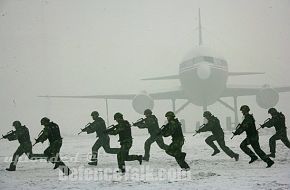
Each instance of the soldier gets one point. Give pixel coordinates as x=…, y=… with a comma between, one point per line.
x=213, y=125
x=123, y=128
x=252, y=139
x=278, y=121
x=151, y=123
x=52, y=133
x=173, y=129
x=99, y=127
x=21, y=133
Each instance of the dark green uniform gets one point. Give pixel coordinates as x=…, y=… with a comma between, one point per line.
x=123, y=128
x=173, y=129
x=214, y=126
x=278, y=121
x=22, y=135
x=52, y=133
x=99, y=127
x=252, y=139
x=151, y=123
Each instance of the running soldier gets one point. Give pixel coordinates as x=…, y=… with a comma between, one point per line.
x=52, y=133
x=123, y=129
x=151, y=123
x=213, y=125
x=173, y=129
x=99, y=127
x=252, y=139
x=278, y=121
x=21, y=134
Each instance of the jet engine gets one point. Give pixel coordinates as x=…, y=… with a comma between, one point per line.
x=267, y=98
x=141, y=102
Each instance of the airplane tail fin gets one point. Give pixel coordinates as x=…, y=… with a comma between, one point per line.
x=244, y=73
x=169, y=77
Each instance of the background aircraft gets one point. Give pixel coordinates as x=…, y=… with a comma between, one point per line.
x=203, y=77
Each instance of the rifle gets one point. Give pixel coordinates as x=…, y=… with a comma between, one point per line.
x=83, y=130
x=40, y=133
x=8, y=134
x=261, y=125
x=200, y=127
x=237, y=127
x=139, y=121
x=111, y=128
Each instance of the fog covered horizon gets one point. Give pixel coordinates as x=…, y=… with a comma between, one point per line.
x=51, y=47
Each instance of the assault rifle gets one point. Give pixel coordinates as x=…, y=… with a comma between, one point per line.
x=111, y=128
x=200, y=127
x=237, y=127
x=139, y=121
x=262, y=125
x=10, y=133
x=84, y=129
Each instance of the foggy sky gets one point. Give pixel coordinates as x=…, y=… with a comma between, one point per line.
x=75, y=47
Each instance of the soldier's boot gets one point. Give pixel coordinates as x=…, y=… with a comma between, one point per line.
x=236, y=157
x=146, y=157
x=272, y=155
x=121, y=171
x=181, y=161
x=93, y=162
x=66, y=171
x=140, y=158
x=185, y=168
x=253, y=159
x=270, y=163
x=12, y=167
x=57, y=164
x=215, y=152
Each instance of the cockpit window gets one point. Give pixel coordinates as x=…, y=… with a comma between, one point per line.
x=208, y=59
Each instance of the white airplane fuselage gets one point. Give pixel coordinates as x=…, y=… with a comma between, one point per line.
x=203, y=76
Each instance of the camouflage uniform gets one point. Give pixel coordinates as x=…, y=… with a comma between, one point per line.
x=278, y=121
x=123, y=128
x=99, y=127
x=214, y=126
x=252, y=139
x=151, y=123
x=173, y=128
x=22, y=135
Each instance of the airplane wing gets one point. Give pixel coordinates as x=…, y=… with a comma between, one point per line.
x=168, y=94
x=231, y=91
x=244, y=73
x=175, y=93
x=109, y=96
x=169, y=77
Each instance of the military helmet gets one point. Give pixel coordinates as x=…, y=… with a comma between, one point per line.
x=245, y=108
x=170, y=114
x=272, y=111
x=44, y=120
x=147, y=112
x=207, y=114
x=16, y=124
x=118, y=115
x=95, y=113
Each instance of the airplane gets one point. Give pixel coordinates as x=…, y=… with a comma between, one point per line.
x=203, y=77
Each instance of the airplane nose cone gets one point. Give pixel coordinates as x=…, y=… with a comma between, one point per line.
x=204, y=71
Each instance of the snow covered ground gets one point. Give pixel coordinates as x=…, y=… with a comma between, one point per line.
x=207, y=172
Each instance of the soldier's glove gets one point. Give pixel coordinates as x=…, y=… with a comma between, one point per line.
x=197, y=131
x=235, y=133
